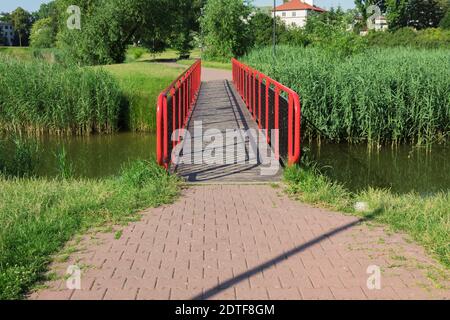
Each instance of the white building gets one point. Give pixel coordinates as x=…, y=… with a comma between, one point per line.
x=295, y=12
x=7, y=32
x=380, y=24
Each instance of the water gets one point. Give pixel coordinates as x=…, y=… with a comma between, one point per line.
x=97, y=155
x=401, y=169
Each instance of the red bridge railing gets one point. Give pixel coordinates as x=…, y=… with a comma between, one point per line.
x=273, y=106
x=174, y=109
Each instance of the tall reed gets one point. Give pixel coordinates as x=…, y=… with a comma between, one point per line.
x=382, y=95
x=37, y=97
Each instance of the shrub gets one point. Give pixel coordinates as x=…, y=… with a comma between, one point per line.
x=39, y=97
x=426, y=38
x=445, y=22
x=42, y=35
x=225, y=28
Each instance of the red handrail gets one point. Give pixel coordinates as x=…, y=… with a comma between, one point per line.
x=183, y=93
x=246, y=80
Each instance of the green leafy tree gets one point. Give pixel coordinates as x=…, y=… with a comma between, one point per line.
x=42, y=34
x=186, y=14
x=109, y=26
x=225, y=27
x=261, y=25
x=445, y=22
x=421, y=14
x=21, y=21
x=418, y=14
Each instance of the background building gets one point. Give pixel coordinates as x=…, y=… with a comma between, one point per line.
x=7, y=33
x=295, y=12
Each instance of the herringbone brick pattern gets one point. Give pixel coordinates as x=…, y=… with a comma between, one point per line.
x=246, y=242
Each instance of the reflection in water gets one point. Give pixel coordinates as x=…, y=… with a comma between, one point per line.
x=97, y=155
x=401, y=169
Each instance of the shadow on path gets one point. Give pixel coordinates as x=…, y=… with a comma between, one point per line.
x=249, y=273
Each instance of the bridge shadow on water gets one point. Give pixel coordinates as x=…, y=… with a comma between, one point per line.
x=280, y=258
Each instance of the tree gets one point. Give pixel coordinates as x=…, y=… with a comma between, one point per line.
x=186, y=14
x=421, y=14
x=21, y=21
x=261, y=25
x=418, y=14
x=225, y=25
x=445, y=22
x=109, y=26
x=42, y=34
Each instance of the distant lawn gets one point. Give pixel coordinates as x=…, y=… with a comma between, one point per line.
x=138, y=54
x=141, y=83
x=21, y=53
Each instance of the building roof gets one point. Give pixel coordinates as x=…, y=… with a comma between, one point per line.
x=297, y=5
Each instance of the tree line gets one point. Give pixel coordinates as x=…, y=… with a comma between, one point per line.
x=222, y=28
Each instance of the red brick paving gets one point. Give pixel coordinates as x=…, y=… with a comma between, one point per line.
x=217, y=242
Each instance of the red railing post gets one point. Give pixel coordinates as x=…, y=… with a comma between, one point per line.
x=184, y=91
x=246, y=79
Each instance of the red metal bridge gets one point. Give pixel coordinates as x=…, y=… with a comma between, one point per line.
x=239, y=128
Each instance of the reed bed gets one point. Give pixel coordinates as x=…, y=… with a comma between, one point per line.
x=396, y=95
x=38, y=97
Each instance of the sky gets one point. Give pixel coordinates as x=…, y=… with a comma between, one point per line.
x=33, y=5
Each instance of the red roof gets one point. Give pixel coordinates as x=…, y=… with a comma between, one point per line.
x=297, y=5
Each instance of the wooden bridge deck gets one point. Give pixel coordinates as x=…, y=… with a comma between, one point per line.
x=220, y=107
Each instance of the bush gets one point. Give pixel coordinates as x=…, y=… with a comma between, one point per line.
x=225, y=28
x=426, y=38
x=395, y=95
x=39, y=97
x=42, y=35
x=445, y=22
x=135, y=53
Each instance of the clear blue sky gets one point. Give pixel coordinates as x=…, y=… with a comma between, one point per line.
x=33, y=5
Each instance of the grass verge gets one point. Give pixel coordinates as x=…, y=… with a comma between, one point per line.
x=38, y=216
x=425, y=218
x=141, y=83
x=38, y=97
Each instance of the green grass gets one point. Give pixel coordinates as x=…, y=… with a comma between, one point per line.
x=38, y=97
x=141, y=83
x=38, y=216
x=381, y=95
x=21, y=53
x=137, y=54
x=425, y=218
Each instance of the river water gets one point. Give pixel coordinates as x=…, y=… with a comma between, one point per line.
x=401, y=169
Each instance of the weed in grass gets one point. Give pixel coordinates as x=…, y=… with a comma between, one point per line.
x=118, y=234
x=65, y=168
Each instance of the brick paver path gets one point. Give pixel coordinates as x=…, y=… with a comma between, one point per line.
x=246, y=242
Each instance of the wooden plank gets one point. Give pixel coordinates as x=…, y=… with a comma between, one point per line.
x=220, y=107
